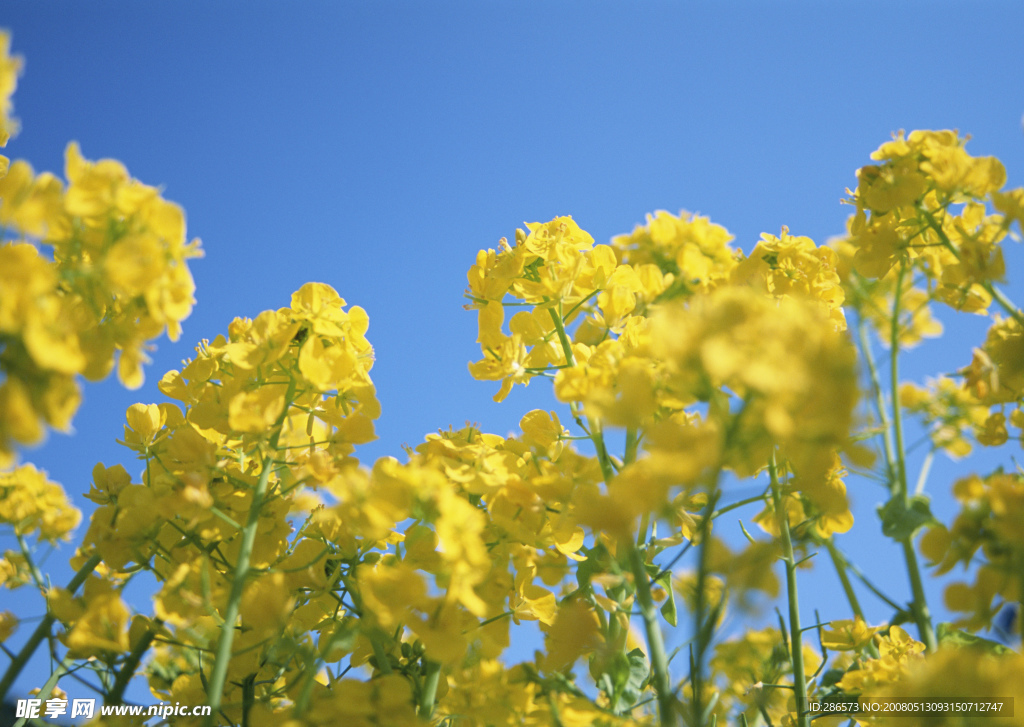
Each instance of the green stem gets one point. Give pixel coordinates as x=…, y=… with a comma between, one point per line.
x=37, y=576
x=227, y=635
x=852, y=567
x=595, y=427
x=795, y=632
x=248, y=698
x=894, y=383
x=47, y=689
x=632, y=442
x=129, y=666
x=629, y=456
x=563, y=337
x=383, y=662
x=925, y=469
x=737, y=505
x=43, y=629
x=919, y=605
x=876, y=388
x=431, y=677
x=1001, y=298
x=641, y=534
x=844, y=578
x=655, y=640
x=704, y=623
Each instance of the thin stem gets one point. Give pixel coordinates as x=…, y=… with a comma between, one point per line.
x=844, y=578
x=563, y=337
x=594, y=426
x=43, y=629
x=900, y=484
x=852, y=567
x=925, y=469
x=227, y=635
x=738, y=504
x=62, y=668
x=655, y=640
x=248, y=698
x=879, y=399
x=919, y=605
x=678, y=557
x=628, y=457
x=129, y=666
x=1001, y=298
x=37, y=576
x=641, y=534
x=704, y=623
x=383, y=662
x=795, y=632
x=632, y=442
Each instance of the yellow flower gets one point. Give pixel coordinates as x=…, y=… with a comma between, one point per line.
x=10, y=69
x=575, y=632
x=8, y=625
x=14, y=570
x=690, y=248
x=789, y=266
x=897, y=184
x=99, y=626
x=544, y=237
x=958, y=675
x=265, y=607
x=33, y=504
x=256, y=411
x=391, y=593
x=848, y=635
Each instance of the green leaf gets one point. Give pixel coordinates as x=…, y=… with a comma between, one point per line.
x=668, y=609
x=593, y=565
x=900, y=521
x=628, y=674
x=950, y=636
x=638, y=673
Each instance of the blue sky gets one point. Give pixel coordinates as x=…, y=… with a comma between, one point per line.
x=377, y=146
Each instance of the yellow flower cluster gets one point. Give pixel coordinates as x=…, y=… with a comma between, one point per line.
x=923, y=232
x=977, y=671
x=905, y=216
x=638, y=334
x=401, y=566
x=969, y=675
x=33, y=505
x=10, y=68
x=896, y=651
x=271, y=414
x=996, y=373
x=754, y=672
x=987, y=529
x=951, y=413
x=118, y=278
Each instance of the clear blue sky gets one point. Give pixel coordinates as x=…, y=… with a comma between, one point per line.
x=376, y=146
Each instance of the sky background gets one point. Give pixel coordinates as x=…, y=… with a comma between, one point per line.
x=377, y=146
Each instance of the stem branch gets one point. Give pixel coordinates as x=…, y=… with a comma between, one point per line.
x=795, y=632
x=43, y=629
x=215, y=691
